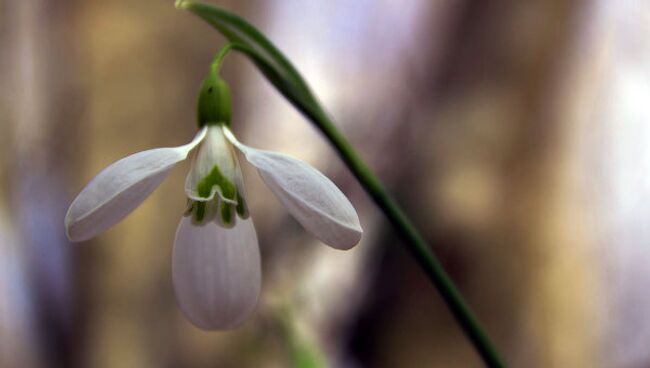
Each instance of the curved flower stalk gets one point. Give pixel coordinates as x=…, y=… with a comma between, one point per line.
x=216, y=269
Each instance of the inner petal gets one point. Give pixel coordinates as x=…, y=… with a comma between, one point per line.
x=214, y=184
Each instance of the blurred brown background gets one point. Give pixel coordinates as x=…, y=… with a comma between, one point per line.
x=515, y=133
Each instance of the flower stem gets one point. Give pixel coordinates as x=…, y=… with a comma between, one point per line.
x=218, y=59
x=413, y=240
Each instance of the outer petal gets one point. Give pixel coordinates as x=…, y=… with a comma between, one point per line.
x=216, y=273
x=310, y=196
x=120, y=188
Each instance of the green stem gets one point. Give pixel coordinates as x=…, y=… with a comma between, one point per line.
x=414, y=241
x=302, y=351
x=218, y=59
x=412, y=238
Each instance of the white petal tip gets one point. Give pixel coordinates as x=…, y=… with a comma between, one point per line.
x=71, y=231
x=74, y=237
x=217, y=325
x=344, y=239
x=68, y=235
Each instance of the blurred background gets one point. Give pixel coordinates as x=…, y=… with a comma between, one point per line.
x=515, y=134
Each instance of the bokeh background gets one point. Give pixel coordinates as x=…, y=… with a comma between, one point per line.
x=516, y=134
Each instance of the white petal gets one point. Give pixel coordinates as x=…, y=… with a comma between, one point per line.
x=120, y=188
x=216, y=273
x=310, y=196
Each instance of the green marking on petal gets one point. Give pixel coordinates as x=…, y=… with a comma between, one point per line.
x=202, y=212
x=204, y=188
x=199, y=212
x=227, y=213
x=242, y=209
x=205, y=211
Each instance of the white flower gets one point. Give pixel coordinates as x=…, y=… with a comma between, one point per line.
x=216, y=268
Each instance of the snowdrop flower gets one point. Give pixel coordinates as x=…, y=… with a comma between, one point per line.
x=216, y=269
